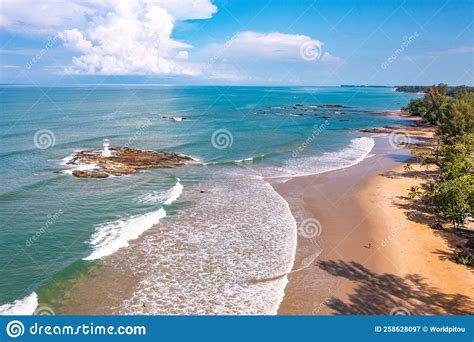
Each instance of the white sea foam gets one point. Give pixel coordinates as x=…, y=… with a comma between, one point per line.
x=24, y=306
x=161, y=197
x=357, y=151
x=80, y=167
x=175, y=192
x=208, y=260
x=174, y=118
x=249, y=159
x=236, y=161
x=72, y=167
x=227, y=253
x=111, y=236
x=243, y=160
x=67, y=159
x=153, y=197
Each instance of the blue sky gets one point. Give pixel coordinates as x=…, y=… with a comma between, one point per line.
x=237, y=42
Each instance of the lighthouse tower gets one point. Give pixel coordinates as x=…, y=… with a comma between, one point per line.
x=106, y=152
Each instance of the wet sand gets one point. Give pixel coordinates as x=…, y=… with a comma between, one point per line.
x=377, y=257
x=345, y=234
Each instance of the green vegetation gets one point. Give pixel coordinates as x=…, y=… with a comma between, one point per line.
x=414, y=192
x=450, y=91
x=452, y=189
x=408, y=167
x=464, y=258
x=432, y=106
x=416, y=107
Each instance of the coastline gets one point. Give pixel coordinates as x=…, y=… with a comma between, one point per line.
x=361, y=254
x=372, y=255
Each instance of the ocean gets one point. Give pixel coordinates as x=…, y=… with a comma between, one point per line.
x=211, y=237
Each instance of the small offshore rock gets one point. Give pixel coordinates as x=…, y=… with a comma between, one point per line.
x=124, y=161
x=90, y=174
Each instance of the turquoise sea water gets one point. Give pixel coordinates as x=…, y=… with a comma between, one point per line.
x=50, y=220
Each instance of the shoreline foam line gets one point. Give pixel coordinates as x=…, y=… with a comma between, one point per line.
x=292, y=261
x=306, y=264
x=113, y=235
x=235, y=162
x=20, y=307
x=353, y=146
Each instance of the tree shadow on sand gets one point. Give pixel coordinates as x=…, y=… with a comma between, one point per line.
x=416, y=210
x=379, y=294
x=420, y=211
x=420, y=174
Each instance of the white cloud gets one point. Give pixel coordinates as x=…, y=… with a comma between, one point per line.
x=328, y=58
x=113, y=37
x=185, y=10
x=50, y=16
x=258, y=56
x=10, y=66
x=270, y=46
x=182, y=55
x=74, y=39
x=441, y=53
x=122, y=37
x=135, y=38
x=454, y=51
x=41, y=17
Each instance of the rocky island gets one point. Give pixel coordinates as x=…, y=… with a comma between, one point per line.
x=123, y=161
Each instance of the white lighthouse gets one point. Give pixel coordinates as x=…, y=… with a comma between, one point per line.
x=106, y=152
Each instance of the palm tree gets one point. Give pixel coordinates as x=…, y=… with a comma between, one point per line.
x=414, y=192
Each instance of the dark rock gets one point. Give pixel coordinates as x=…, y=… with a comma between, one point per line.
x=375, y=130
x=175, y=118
x=90, y=174
x=124, y=161
x=332, y=106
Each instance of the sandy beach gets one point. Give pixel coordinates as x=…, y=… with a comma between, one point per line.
x=375, y=252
